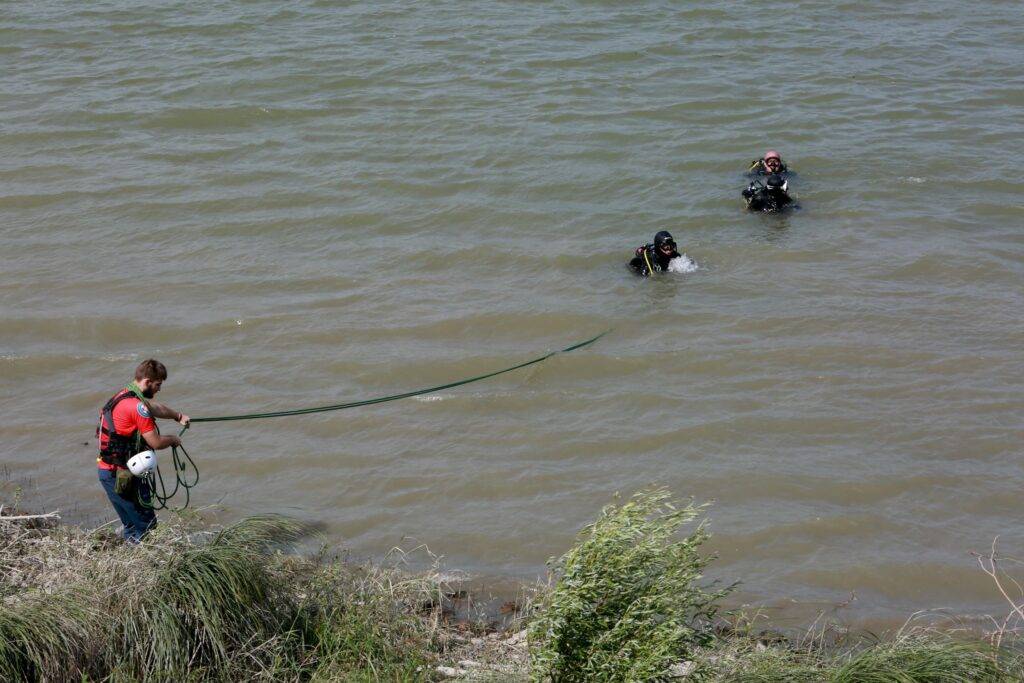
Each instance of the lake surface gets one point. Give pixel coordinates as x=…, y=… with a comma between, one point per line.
x=293, y=204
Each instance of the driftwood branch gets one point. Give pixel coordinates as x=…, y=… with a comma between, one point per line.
x=990, y=565
x=49, y=515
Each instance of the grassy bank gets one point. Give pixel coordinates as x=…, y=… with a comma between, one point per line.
x=626, y=603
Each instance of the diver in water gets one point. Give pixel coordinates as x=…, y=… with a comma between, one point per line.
x=771, y=197
x=770, y=163
x=655, y=257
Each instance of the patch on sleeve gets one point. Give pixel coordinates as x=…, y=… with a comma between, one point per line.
x=143, y=409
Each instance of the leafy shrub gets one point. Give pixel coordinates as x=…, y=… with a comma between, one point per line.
x=626, y=603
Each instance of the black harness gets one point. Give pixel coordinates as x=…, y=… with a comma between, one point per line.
x=654, y=257
x=119, y=447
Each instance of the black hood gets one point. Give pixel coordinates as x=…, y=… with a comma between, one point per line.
x=664, y=237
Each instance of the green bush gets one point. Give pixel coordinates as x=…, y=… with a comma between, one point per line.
x=626, y=603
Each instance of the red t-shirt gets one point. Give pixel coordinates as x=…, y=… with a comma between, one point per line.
x=129, y=415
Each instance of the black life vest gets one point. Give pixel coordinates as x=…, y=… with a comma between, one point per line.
x=119, y=447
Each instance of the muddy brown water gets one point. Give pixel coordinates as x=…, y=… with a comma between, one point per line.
x=315, y=202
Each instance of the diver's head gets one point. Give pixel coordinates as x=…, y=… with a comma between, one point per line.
x=775, y=183
x=772, y=161
x=664, y=245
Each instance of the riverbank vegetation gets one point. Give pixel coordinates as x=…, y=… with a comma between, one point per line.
x=628, y=602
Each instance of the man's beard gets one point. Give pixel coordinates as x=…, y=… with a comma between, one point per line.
x=148, y=393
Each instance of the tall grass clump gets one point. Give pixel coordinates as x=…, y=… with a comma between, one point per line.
x=626, y=603
x=180, y=605
x=921, y=658
x=195, y=605
x=45, y=637
x=368, y=624
x=205, y=603
x=921, y=655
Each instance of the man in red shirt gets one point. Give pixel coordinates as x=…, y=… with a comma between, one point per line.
x=127, y=427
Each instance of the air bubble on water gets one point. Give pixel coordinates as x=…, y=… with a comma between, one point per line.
x=238, y=321
x=682, y=264
x=429, y=399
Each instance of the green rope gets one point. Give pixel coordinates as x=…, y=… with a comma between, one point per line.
x=157, y=488
x=396, y=397
x=181, y=463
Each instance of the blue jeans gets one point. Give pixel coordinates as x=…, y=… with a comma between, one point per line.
x=137, y=519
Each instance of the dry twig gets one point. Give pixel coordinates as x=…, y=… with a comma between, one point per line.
x=990, y=565
x=49, y=515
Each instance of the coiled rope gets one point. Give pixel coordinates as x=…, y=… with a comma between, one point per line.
x=157, y=489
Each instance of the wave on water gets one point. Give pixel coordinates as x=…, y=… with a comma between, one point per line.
x=108, y=357
x=113, y=357
x=682, y=264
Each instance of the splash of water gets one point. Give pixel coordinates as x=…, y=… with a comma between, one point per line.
x=682, y=264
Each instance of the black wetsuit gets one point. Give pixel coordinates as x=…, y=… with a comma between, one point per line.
x=658, y=261
x=768, y=200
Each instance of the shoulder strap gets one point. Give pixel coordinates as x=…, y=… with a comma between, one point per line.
x=114, y=453
x=107, y=413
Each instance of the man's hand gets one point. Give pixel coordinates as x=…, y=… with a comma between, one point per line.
x=183, y=419
x=159, y=441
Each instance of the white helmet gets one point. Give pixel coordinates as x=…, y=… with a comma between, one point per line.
x=142, y=463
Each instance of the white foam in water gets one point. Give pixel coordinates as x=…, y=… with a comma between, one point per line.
x=913, y=179
x=682, y=264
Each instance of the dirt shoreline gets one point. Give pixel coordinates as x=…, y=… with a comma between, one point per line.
x=74, y=595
